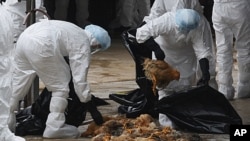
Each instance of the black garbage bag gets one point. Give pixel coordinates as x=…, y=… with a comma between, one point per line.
x=75, y=112
x=40, y=107
x=28, y=124
x=131, y=98
x=23, y=114
x=202, y=110
x=138, y=52
x=138, y=101
x=134, y=103
x=141, y=107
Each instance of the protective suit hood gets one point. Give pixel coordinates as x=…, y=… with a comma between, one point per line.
x=187, y=19
x=101, y=35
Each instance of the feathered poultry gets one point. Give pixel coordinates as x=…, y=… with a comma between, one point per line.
x=160, y=72
x=142, y=128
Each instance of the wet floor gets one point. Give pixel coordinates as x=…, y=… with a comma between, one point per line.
x=113, y=71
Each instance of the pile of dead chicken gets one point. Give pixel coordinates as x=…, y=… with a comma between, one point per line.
x=143, y=128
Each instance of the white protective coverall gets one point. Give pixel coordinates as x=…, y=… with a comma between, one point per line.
x=40, y=50
x=182, y=51
x=159, y=8
x=12, y=14
x=162, y=6
x=231, y=18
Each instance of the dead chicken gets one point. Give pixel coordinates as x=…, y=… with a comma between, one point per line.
x=143, y=128
x=160, y=72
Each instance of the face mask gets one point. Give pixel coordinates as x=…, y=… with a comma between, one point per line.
x=180, y=37
x=180, y=34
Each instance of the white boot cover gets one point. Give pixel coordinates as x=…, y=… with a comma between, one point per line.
x=55, y=124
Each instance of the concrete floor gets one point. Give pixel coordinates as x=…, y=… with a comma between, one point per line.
x=113, y=71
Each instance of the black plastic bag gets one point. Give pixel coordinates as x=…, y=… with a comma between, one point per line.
x=131, y=98
x=40, y=107
x=202, y=110
x=75, y=112
x=28, y=124
x=23, y=114
x=134, y=104
x=138, y=52
x=141, y=100
x=31, y=125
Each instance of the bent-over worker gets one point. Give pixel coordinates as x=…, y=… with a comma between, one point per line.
x=40, y=51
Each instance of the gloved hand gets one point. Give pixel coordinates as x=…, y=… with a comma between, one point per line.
x=128, y=37
x=204, y=65
x=152, y=45
x=95, y=114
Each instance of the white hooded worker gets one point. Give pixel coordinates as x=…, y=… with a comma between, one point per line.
x=231, y=19
x=160, y=7
x=181, y=36
x=12, y=15
x=40, y=51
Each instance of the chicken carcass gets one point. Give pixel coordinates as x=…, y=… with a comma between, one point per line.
x=160, y=72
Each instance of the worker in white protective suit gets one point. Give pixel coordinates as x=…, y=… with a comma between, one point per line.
x=160, y=7
x=181, y=36
x=231, y=19
x=12, y=14
x=40, y=51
